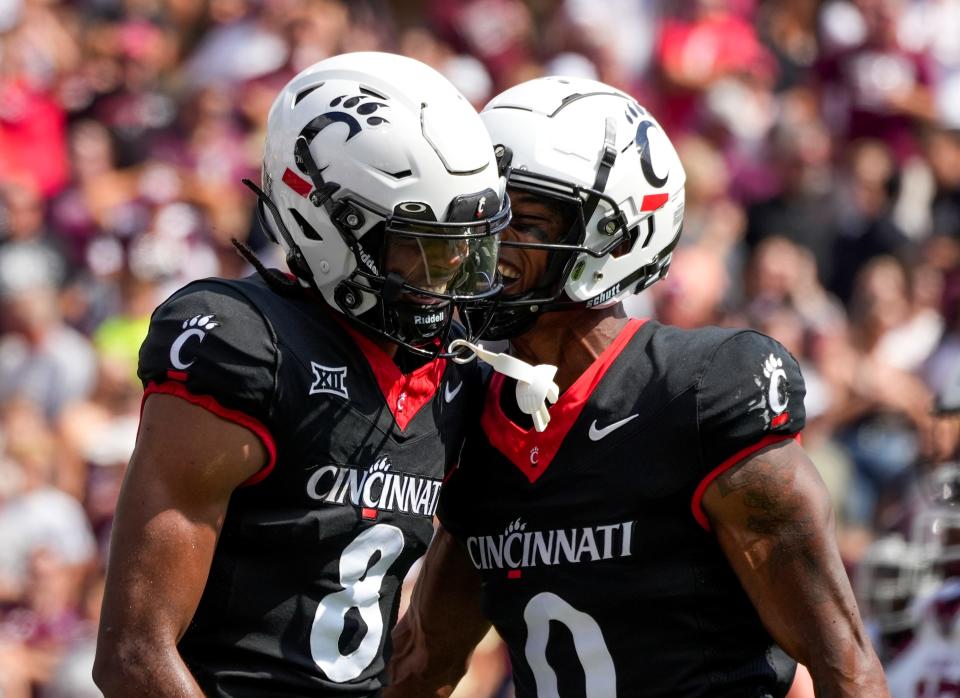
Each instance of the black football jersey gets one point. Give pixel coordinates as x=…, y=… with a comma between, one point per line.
x=304, y=585
x=599, y=568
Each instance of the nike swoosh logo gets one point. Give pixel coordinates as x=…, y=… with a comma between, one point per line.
x=597, y=434
x=450, y=394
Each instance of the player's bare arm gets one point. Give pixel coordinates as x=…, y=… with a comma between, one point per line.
x=773, y=518
x=443, y=624
x=186, y=465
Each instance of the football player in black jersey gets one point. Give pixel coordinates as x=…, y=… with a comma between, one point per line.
x=296, y=427
x=666, y=535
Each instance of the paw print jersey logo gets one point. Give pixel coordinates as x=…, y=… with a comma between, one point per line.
x=196, y=328
x=774, y=391
x=534, y=455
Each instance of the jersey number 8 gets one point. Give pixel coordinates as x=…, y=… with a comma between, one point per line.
x=361, y=584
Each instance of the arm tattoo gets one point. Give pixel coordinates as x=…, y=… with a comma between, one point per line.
x=786, y=532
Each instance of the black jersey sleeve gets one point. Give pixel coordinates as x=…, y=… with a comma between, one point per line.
x=750, y=394
x=210, y=345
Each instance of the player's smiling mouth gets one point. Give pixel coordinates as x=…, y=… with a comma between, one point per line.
x=510, y=273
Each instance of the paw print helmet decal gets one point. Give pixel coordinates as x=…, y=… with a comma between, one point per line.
x=381, y=183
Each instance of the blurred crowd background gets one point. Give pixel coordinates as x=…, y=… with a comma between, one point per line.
x=822, y=147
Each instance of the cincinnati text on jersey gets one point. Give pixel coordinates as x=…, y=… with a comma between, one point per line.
x=376, y=489
x=517, y=548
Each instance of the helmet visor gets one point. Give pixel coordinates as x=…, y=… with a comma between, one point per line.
x=445, y=260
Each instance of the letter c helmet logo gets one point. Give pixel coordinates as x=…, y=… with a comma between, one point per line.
x=197, y=326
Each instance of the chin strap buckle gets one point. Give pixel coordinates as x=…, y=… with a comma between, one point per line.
x=535, y=385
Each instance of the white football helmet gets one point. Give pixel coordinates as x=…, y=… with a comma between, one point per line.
x=591, y=147
x=381, y=183
x=891, y=575
x=936, y=527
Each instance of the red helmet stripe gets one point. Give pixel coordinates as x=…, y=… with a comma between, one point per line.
x=651, y=202
x=296, y=182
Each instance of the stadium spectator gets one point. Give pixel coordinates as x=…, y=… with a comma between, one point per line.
x=124, y=126
x=42, y=358
x=877, y=88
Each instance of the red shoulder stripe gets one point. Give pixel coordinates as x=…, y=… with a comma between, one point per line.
x=210, y=404
x=696, y=502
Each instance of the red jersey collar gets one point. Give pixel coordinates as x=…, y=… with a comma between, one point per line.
x=404, y=393
x=532, y=451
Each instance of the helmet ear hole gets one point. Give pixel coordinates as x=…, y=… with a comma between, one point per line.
x=308, y=230
x=651, y=229
x=504, y=156
x=629, y=240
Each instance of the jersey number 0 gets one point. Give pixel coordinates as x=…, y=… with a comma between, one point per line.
x=601, y=677
x=361, y=584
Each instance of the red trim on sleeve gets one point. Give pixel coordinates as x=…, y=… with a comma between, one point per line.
x=210, y=404
x=696, y=502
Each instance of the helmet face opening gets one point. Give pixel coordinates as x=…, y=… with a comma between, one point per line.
x=512, y=314
x=456, y=261
x=577, y=204
x=425, y=268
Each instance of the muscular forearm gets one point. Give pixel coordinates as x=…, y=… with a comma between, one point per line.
x=851, y=673
x=441, y=627
x=429, y=665
x=805, y=601
x=773, y=519
x=831, y=640
x=143, y=668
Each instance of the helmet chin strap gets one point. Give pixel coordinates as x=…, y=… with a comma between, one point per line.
x=535, y=385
